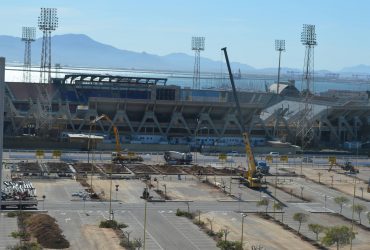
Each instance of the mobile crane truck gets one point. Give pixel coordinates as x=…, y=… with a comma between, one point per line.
x=252, y=177
x=117, y=156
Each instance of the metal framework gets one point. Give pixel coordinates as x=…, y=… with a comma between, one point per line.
x=28, y=36
x=280, y=47
x=47, y=22
x=305, y=129
x=197, y=45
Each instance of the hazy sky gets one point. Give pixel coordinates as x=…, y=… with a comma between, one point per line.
x=247, y=27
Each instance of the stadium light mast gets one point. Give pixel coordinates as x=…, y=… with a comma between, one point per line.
x=47, y=22
x=28, y=36
x=197, y=45
x=305, y=126
x=280, y=47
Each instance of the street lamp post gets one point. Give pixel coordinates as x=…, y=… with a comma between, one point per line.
x=43, y=202
x=240, y=199
x=241, y=238
x=165, y=190
x=144, y=245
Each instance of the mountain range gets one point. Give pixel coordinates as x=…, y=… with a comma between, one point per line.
x=81, y=51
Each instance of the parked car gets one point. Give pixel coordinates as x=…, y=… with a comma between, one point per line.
x=274, y=154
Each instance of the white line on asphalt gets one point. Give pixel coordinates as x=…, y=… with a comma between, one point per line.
x=191, y=242
x=138, y=222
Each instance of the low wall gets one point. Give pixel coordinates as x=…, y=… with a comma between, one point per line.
x=30, y=142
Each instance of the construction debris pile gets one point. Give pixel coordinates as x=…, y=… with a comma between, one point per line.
x=18, y=190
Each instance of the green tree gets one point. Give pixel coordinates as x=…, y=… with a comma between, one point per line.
x=263, y=202
x=338, y=235
x=340, y=200
x=358, y=208
x=300, y=218
x=316, y=229
x=279, y=206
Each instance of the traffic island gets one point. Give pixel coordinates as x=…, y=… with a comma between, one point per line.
x=268, y=217
x=290, y=191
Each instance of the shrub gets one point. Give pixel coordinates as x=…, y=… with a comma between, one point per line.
x=229, y=245
x=108, y=224
x=184, y=214
x=12, y=214
x=25, y=246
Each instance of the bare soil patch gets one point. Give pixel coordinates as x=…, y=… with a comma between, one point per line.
x=58, y=167
x=141, y=169
x=82, y=167
x=257, y=232
x=29, y=167
x=199, y=170
x=101, y=238
x=114, y=168
x=168, y=169
x=193, y=190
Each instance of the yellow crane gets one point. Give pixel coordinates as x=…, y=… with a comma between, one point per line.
x=117, y=156
x=252, y=176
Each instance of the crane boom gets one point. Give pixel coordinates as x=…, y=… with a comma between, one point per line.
x=118, y=156
x=115, y=130
x=253, y=180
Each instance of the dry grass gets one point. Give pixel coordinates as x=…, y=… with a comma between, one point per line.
x=47, y=232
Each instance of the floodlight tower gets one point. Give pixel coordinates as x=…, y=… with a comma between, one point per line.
x=197, y=45
x=28, y=36
x=47, y=22
x=305, y=127
x=280, y=47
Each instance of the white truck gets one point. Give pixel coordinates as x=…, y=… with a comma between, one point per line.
x=174, y=157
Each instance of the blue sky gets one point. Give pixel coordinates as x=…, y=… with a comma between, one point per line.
x=247, y=27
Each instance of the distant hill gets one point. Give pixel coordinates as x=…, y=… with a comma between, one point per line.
x=81, y=50
x=361, y=68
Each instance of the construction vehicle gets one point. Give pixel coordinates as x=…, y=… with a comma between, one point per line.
x=117, y=156
x=252, y=177
x=348, y=166
x=146, y=195
x=174, y=157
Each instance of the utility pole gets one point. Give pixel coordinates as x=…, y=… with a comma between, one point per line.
x=241, y=239
x=2, y=83
x=144, y=245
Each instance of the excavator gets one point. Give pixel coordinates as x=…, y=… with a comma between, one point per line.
x=251, y=177
x=347, y=166
x=117, y=156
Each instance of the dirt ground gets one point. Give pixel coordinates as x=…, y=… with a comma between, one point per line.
x=101, y=238
x=255, y=233
x=341, y=182
x=191, y=190
x=129, y=191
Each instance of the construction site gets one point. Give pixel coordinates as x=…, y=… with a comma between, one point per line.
x=94, y=161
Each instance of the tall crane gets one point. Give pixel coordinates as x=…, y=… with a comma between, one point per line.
x=252, y=176
x=117, y=156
